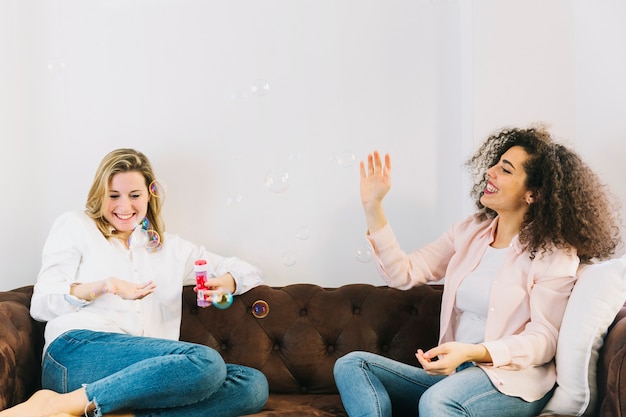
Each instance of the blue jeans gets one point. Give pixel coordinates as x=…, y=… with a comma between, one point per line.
x=151, y=377
x=374, y=386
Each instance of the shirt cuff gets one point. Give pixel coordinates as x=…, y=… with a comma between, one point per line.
x=75, y=301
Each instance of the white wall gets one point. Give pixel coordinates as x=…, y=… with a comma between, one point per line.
x=524, y=65
x=559, y=62
x=423, y=80
x=601, y=89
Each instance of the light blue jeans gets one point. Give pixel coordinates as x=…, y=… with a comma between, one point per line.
x=151, y=377
x=375, y=386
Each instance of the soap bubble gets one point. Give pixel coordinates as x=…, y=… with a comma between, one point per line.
x=234, y=199
x=303, y=233
x=223, y=300
x=346, y=159
x=277, y=180
x=260, y=309
x=144, y=224
x=157, y=189
x=288, y=258
x=260, y=88
x=56, y=65
x=154, y=240
x=364, y=255
x=137, y=239
x=141, y=237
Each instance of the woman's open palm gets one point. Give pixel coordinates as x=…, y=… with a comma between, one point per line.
x=376, y=181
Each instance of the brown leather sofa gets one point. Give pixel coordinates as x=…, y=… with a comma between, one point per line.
x=297, y=343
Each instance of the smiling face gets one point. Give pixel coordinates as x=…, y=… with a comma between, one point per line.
x=506, y=191
x=126, y=202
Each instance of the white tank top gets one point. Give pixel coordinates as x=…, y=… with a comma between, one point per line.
x=472, y=297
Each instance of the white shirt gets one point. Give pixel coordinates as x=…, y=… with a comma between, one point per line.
x=473, y=295
x=77, y=252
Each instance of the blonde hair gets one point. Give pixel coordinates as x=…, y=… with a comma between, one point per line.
x=122, y=160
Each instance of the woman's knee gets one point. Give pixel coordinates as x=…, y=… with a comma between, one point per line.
x=205, y=354
x=254, y=390
x=430, y=403
x=260, y=393
x=349, y=361
x=209, y=366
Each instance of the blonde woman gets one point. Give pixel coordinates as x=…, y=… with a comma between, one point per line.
x=110, y=291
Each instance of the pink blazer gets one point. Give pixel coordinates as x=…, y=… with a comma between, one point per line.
x=527, y=301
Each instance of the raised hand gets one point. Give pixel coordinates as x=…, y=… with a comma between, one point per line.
x=375, y=183
x=376, y=180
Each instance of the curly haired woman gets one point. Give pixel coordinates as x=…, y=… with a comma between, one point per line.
x=509, y=270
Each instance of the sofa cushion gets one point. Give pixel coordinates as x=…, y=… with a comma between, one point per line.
x=303, y=405
x=598, y=295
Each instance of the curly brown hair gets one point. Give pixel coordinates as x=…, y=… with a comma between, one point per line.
x=572, y=207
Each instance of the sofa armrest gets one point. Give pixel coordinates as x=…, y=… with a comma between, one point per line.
x=21, y=343
x=612, y=369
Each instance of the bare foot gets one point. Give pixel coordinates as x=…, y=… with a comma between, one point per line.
x=63, y=415
x=36, y=406
x=106, y=415
x=46, y=403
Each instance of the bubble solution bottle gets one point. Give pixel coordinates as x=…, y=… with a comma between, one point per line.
x=201, y=269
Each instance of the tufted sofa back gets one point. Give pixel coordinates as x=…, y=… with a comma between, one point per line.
x=308, y=327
